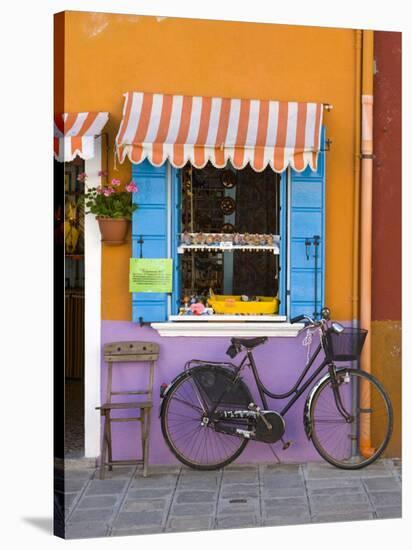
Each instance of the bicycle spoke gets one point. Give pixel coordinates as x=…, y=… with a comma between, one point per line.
x=198, y=445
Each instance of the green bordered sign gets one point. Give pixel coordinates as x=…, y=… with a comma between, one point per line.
x=150, y=275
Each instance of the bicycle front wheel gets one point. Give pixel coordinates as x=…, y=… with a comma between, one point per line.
x=191, y=435
x=359, y=439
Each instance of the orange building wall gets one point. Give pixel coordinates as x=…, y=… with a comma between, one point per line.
x=108, y=54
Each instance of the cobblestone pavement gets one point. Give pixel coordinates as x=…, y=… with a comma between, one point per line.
x=180, y=499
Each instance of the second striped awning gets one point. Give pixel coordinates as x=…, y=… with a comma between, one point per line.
x=179, y=128
x=74, y=134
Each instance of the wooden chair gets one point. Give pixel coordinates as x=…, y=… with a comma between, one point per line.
x=135, y=353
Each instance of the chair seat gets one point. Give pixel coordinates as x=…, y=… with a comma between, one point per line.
x=129, y=405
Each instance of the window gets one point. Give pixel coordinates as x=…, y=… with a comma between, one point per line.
x=288, y=206
x=229, y=241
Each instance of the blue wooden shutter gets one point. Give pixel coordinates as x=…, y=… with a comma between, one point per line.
x=176, y=230
x=307, y=220
x=150, y=222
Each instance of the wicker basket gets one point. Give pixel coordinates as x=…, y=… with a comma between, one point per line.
x=233, y=305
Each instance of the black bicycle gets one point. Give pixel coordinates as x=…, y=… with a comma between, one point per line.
x=208, y=415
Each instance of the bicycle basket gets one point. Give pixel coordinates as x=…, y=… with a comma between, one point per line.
x=215, y=383
x=347, y=345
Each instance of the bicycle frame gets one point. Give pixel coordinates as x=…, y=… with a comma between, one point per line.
x=296, y=390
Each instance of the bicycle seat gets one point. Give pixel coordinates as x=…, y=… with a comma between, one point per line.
x=249, y=343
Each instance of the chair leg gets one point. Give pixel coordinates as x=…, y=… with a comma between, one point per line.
x=104, y=448
x=143, y=428
x=146, y=443
x=109, y=443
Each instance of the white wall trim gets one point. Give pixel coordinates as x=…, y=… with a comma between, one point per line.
x=92, y=329
x=226, y=330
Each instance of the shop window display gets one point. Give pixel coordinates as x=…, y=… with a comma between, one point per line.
x=229, y=244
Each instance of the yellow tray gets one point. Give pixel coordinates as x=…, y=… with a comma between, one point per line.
x=221, y=303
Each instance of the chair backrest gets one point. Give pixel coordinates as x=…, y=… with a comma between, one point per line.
x=136, y=352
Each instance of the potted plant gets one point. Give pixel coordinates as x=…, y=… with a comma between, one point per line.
x=113, y=209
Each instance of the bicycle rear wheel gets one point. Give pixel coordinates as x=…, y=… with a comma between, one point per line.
x=195, y=443
x=357, y=442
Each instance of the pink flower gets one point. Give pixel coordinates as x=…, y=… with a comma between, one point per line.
x=102, y=173
x=82, y=177
x=115, y=182
x=132, y=187
x=99, y=189
x=108, y=191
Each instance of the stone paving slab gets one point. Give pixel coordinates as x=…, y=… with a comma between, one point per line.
x=388, y=498
x=102, y=501
x=284, y=520
x=382, y=484
x=239, y=476
x=86, y=530
x=173, y=499
x=193, y=497
x=74, y=485
x=101, y=514
x=238, y=520
x=285, y=502
x=139, y=519
x=239, y=490
x=189, y=523
x=188, y=510
x=389, y=512
x=355, y=515
x=105, y=486
x=332, y=503
x=343, y=490
x=145, y=505
x=333, y=483
x=198, y=484
x=154, y=480
x=281, y=492
x=153, y=492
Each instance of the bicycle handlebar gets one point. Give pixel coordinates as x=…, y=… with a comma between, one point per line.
x=297, y=319
x=325, y=316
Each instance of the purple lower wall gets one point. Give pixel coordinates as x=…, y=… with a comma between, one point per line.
x=280, y=362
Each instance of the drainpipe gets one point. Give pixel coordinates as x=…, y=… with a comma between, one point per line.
x=365, y=444
x=356, y=201
x=357, y=152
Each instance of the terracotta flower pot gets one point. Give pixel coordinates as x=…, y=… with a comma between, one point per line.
x=113, y=230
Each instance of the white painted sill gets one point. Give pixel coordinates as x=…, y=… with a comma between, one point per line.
x=228, y=329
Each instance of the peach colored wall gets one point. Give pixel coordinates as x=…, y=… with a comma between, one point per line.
x=107, y=54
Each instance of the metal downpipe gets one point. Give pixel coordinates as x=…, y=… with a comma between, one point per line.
x=356, y=201
x=365, y=442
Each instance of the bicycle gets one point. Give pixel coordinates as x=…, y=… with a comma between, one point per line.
x=208, y=415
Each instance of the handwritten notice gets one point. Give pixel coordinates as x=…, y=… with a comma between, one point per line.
x=150, y=275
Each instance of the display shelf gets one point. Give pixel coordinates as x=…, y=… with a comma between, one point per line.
x=228, y=247
x=219, y=318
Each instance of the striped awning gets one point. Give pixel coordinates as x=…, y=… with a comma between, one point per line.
x=74, y=134
x=200, y=129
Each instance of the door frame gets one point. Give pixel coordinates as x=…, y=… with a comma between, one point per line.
x=92, y=336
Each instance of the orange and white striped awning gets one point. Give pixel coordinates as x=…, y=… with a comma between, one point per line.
x=74, y=134
x=179, y=128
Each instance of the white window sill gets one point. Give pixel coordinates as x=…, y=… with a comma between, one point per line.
x=228, y=329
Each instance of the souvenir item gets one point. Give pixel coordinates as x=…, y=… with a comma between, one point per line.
x=228, y=179
x=227, y=205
